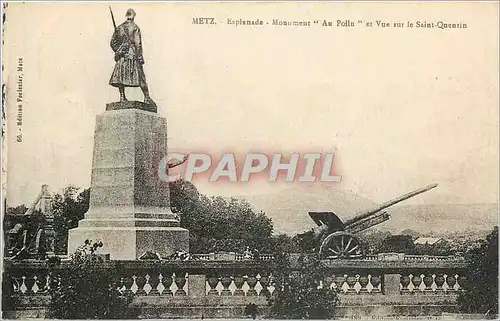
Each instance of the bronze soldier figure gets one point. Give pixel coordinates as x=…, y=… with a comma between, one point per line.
x=127, y=45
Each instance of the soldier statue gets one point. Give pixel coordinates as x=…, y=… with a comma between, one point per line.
x=127, y=45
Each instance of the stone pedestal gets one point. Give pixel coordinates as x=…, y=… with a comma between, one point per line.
x=129, y=205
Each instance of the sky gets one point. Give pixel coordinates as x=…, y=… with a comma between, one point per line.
x=403, y=108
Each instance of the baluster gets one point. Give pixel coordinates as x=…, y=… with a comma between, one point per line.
x=140, y=281
x=363, y=282
x=271, y=287
x=416, y=280
x=180, y=281
x=327, y=281
x=428, y=280
x=134, y=286
x=375, y=280
x=120, y=285
x=116, y=282
x=351, y=282
x=264, y=282
x=439, y=280
x=212, y=281
x=147, y=287
x=8, y=285
x=252, y=282
x=23, y=288
x=35, y=289
x=339, y=282
x=166, y=281
x=54, y=280
x=239, y=280
x=461, y=280
x=17, y=281
x=154, y=281
x=286, y=283
x=405, y=281
x=226, y=282
x=128, y=282
x=30, y=281
x=41, y=282
x=451, y=281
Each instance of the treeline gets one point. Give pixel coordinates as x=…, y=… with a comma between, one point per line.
x=220, y=224
x=215, y=224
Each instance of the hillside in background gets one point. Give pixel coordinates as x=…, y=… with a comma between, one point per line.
x=289, y=211
x=443, y=219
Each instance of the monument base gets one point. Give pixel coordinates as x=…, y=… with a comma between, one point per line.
x=129, y=243
x=129, y=210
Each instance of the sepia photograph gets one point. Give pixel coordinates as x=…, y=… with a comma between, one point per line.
x=250, y=160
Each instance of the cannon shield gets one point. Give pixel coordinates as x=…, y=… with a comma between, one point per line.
x=329, y=219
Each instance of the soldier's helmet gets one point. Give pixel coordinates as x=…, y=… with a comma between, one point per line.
x=130, y=13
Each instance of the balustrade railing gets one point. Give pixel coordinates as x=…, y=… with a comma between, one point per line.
x=140, y=282
x=239, y=284
x=409, y=257
x=30, y=284
x=440, y=283
x=231, y=256
x=241, y=280
x=156, y=283
x=365, y=283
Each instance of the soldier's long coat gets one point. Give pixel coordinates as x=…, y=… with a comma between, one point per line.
x=127, y=45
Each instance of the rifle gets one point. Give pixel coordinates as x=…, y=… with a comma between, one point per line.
x=112, y=17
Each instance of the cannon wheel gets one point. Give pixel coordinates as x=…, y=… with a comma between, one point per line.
x=340, y=245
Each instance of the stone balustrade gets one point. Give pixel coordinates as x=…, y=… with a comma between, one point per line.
x=229, y=256
x=222, y=285
x=444, y=282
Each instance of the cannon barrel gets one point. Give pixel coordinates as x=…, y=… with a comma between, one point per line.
x=387, y=204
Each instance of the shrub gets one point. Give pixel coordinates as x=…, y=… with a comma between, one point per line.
x=481, y=286
x=85, y=289
x=298, y=293
x=251, y=310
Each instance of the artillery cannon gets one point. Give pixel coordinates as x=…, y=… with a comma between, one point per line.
x=337, y=238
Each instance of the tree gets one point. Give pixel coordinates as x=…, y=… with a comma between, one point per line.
x=86, y=290
x=306, y=242
x=283, y=243
x=68, y=208
x=414, y=234
x=299, y=293
x=12, y=216
x=219, y=224
x=372, y=240
x=251, y=310
x=481, y=286
x=214, y=223
x=397, y=243
x=17, y=210
x=439, y=248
